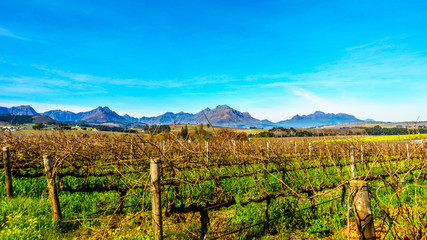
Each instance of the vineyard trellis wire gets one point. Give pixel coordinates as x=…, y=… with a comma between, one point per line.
x=202, y=178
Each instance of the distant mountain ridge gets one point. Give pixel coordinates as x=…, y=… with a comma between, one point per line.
x=97, y=115
x=318, y=118
x=20, y=110
x=9, y=118
x=222, y=115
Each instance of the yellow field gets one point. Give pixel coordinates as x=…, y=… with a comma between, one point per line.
x=388, y=138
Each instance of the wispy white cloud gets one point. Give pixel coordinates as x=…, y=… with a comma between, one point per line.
x=205, y=80
x=304, y=102
x=379, y=80
x=6, y=33
x=360, y=46
x=307, y=95
x=362, y=68
x=381, y=43
x=43, y=107
x=22, y=86
x=85, y=78
x=131, y=82
x=256, y=77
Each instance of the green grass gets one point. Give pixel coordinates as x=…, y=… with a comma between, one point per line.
x=28, y=214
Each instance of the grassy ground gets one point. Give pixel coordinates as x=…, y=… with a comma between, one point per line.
x=29, y=217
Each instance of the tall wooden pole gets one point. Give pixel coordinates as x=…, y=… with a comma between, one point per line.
x=234, y=149
x=407, y=151
x=362, y=159
x=131, y=149
x=353, y=165
x=7, y=172
x=267, y=214
x=53, y=193
x=362, y=153
x=156, y=199
x=296, y=148
x=207, y=151
x=204, y=219
x=362, y=210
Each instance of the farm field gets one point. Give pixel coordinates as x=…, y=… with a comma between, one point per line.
x=387, y=138
x=217, y=189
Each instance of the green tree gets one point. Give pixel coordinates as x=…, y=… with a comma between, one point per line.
x=184, y=132
x=62, y=126
x=265, y=134
x=38, y=126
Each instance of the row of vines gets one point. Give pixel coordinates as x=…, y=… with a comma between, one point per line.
x=222, y=189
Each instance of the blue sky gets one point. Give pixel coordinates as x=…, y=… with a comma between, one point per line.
x=273, y=59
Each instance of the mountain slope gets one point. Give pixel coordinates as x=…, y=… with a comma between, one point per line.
x=221, y=115
x=22, y=119
x=102, y=115
x=169, y=118
x=20, y=110
x=224, y=115
x=97, y=115
x=62, y=116
x=318, y=118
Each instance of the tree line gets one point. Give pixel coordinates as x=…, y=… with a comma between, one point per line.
x=378, y=130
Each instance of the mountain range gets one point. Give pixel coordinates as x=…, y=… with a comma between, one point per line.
x=318, y=118
x=221, y=115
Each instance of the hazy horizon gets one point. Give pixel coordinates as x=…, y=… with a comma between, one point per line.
x=272, y=59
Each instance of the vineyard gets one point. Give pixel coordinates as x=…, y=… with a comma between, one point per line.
x=217, y=189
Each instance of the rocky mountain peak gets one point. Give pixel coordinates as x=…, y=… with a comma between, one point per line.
x=20, y=110
x=221, y=115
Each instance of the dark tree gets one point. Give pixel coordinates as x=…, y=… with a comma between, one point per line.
x=184, y=132
x=38, y=126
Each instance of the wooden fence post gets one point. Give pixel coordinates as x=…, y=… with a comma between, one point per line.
x=53, y=193
x=362, y=210
x=310, y=194
x=7, y=172
x=296, y=148
x=407, y=151
x=394, y=151
x=156, y=199
x=131, y=149
x=362, y=159
x=362, y=153
x=353, y=165
x=310, y=148
x=267, y=215
x=204, y=219
x=234, y=148
x=207, y=151
x=122, y=195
